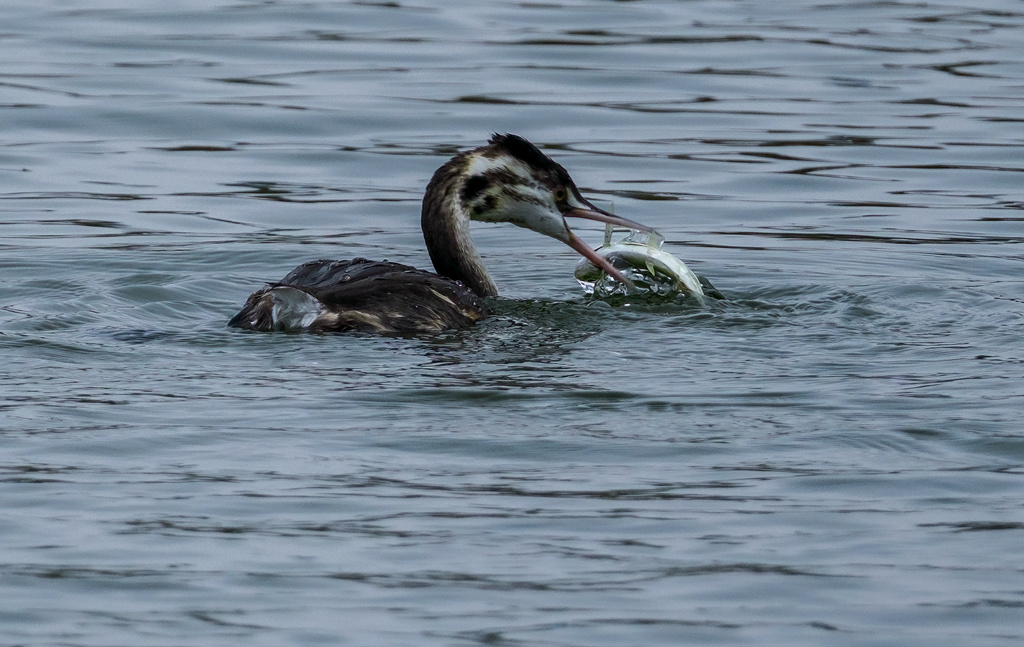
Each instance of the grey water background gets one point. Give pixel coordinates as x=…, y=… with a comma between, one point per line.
x=834, y=455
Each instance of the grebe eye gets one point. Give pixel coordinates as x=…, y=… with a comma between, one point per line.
x=561, y=195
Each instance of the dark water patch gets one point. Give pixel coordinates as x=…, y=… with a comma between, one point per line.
x=832, y=140
x=307, y=194
x=977, y=526
x=476, y=98
x=36, y=474
x=253, y=81
x=73, y=195
x=199, y=148
x=643, y=195
x=605, y=38
x=988, y=602
x=90, y=574
x=444, y=579
x=217, y=619
x=957, y=69
x=933, y=238
x=145, y=336
x=181, y=527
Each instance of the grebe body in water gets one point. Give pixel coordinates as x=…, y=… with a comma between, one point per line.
x=507, y=180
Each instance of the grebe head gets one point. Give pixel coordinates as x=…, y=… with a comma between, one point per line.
x=511, y=180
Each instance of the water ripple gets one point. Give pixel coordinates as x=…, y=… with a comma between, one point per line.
x=832, y=454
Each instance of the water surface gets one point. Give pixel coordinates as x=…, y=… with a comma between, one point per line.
x=833, y=455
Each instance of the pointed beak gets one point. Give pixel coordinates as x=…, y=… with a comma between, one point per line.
x=590, y=212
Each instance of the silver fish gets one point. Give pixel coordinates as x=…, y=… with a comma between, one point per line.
x=640, y=257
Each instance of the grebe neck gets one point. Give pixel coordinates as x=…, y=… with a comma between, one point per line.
x=445, y=226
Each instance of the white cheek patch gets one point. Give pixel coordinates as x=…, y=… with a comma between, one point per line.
x=538, y=218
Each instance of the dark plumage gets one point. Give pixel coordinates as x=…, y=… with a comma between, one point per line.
x=508, y=180
x=365, y=296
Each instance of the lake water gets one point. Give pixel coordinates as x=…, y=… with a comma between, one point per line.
x=833, y=455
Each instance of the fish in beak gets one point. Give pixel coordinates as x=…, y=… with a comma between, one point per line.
x=584, y=209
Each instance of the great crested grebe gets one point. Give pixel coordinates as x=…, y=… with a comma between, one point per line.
x=507, y=180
